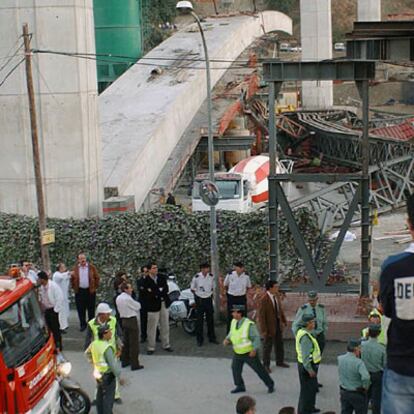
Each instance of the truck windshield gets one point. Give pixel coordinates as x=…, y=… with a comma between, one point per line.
x=22, y=331
x=228, y=189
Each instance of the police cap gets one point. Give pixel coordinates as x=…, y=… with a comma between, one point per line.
x=313, y=294
x=307, y=317
x=238, y=308
x=353, y=343
x=374, y=327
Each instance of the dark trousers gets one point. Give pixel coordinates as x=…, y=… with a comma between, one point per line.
x=105, y=394
x=353, y=402
x=375, y=391
x=130, y=350
x=254, y=363
x=205, y=307
x=321, y=341
x=144, y=322
x=308, y=390
x=52, y=322
x=85, y=301
x=275, y=342
x=235, y=300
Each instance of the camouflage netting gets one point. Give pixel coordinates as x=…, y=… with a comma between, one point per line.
x=176, y=239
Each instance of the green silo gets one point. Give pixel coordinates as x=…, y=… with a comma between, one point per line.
x=118, y=31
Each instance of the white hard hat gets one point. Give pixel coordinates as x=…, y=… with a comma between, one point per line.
x=103, y=308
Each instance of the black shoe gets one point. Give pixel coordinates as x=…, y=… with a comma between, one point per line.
x=238, y=389
x=137, y=368
x=271, y=389
x=316, y=410
x=82, y=328
x=169, y=349
x=320, y=385
x=283, y=365
x=118, y=401
x=125, y=364
x=150, y=352
x=214, y=341
x=64, y=331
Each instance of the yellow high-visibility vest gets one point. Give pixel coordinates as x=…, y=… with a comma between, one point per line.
x=98, y=349
x=112, y=326
x=315, y=356
x=240, y=337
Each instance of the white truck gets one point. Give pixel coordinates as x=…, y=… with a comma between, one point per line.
x=244, y=188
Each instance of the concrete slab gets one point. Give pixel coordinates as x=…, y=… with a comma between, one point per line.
x=143, y=115
x=176, y=385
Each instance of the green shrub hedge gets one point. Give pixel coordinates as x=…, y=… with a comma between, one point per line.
x=176, y=239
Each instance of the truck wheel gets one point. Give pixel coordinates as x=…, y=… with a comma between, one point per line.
x=80, y=403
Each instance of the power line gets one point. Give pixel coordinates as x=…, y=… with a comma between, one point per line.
x=134, y=58
x=98, y=59
x=11, y=57
x=11, y=71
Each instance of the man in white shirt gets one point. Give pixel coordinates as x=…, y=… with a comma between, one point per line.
x=29, y=272
x=236, y=285
x=202, y=286
x=128, y=309
x=51, y=300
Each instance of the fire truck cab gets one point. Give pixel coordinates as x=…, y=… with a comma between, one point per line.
x=27, y=352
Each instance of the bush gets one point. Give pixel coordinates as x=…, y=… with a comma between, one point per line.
x=176, y=239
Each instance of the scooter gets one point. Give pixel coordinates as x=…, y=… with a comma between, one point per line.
x=183, y=307
x=73, y=400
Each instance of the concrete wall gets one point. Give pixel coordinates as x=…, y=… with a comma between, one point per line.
x=143, y=116
x=369, y=10
x=316, y=38
x=66, y=99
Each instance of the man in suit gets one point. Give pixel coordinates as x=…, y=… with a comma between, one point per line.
x=154, y=290
x=272, y=320
x=85, y=282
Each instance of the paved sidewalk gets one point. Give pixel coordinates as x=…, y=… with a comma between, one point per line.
x=178, y=385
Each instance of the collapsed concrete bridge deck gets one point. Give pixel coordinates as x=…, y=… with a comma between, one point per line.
x=145, y=112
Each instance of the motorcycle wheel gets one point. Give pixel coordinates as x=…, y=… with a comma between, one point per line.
x=80, y=402
x=189, y=326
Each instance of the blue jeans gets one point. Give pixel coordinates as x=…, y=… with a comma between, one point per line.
x=397, y=393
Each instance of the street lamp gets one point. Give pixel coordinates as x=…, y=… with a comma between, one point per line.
x=185, y=7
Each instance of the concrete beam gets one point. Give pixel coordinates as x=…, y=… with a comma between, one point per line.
x=369, y=10
x=143, y=116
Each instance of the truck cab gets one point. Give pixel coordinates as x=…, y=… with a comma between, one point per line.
x=234, y=193
x=27, y=352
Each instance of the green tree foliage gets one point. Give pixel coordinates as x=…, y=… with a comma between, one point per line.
x=154, y=13
x=284, y=6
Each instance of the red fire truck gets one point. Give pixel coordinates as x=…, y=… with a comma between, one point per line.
x=28, y=382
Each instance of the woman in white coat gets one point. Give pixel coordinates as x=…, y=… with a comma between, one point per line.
x=62, y=278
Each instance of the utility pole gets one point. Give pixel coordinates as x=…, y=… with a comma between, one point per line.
x=35, y=147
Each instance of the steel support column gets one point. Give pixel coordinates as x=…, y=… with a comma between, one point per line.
x=274, y=88
x=365, y=186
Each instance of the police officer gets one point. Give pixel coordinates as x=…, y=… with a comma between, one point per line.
x=354, y=380
x=318, y=311
x=202, y=286
x=104, y=317
x=309, y=357
x=375, y=317
x=373, y=355
x=245, y=339
x=106, y=369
